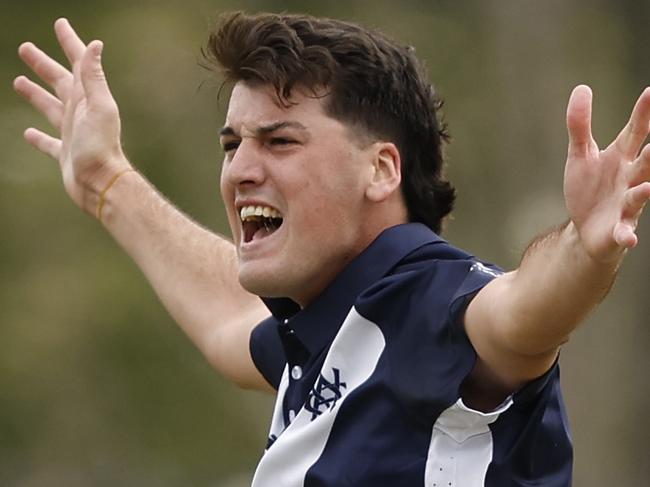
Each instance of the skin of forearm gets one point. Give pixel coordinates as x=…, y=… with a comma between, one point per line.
x=193, y=272
x=556, y=286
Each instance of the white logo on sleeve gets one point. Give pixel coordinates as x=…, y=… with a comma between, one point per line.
x=479, y=267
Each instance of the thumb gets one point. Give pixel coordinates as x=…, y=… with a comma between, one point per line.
x=578, y=120
x=93, y=78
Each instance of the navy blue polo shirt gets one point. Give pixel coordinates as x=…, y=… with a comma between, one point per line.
x=368, y=378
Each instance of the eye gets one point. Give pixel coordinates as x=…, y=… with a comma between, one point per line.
x=230, y=146
x=280, y=141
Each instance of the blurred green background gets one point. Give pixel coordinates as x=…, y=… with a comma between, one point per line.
x=97, y=384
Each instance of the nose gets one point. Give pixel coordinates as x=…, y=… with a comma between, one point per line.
x=245, y=167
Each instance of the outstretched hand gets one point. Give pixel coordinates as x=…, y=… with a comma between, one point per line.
x=82, y=111
x=606, y=190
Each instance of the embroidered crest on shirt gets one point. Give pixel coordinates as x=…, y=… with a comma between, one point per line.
x=324, y=394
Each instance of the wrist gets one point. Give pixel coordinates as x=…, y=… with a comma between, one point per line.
x=606, y=258
x=102, y=183
x=103, y=194
x=118, y=197
x=98, y=178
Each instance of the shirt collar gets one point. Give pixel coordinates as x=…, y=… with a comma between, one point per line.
x=317, y=324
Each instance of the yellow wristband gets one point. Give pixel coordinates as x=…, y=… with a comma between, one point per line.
x=102, y=195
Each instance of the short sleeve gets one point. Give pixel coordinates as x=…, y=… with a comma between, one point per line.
x=477, y=277
x=419, y=309
x=267, y=352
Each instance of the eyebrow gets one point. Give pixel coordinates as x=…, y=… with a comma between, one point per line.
x=266, y=129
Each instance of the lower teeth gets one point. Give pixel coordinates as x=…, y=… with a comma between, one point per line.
x=271, y=224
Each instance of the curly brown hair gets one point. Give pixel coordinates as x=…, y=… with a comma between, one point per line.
x=372, y=83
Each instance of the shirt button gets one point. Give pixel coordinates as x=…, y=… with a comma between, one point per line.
x=296, y=372
x=286, y=321
x=292, y=415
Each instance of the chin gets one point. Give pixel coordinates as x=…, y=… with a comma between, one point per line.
x=265, y=283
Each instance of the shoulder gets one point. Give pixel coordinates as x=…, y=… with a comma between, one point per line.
x=434, y=279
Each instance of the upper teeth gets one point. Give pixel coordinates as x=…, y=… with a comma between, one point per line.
x=266, y=211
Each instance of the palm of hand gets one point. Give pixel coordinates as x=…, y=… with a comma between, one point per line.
x=83, y=112
x=90, y=144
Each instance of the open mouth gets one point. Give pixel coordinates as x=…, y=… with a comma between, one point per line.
x=259, y=222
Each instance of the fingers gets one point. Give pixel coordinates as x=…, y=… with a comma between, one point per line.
x=43, y=142
x=72, y=45
x=635, y=200
x=624, y=235
x=633, y=135
x=41, y=99
x=639, y=170
x=93, y=77
x=578, y=120
x=51, y=72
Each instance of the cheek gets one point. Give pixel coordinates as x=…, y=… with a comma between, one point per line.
x=340, y=176
x=328, y=214
x=329, y=194
x=222, y=180
x=226, y=189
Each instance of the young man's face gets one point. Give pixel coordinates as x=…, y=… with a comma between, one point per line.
x=307, y=176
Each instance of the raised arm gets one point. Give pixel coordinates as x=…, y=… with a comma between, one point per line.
x=193, y=271
x=518, y=321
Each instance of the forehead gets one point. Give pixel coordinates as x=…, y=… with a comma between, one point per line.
x=251, y=106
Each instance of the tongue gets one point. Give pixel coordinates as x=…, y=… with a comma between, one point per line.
x=261, y=233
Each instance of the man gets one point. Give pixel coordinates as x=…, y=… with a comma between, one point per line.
x=398, y=359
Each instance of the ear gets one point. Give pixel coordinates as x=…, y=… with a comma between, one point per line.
x=387, y=174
